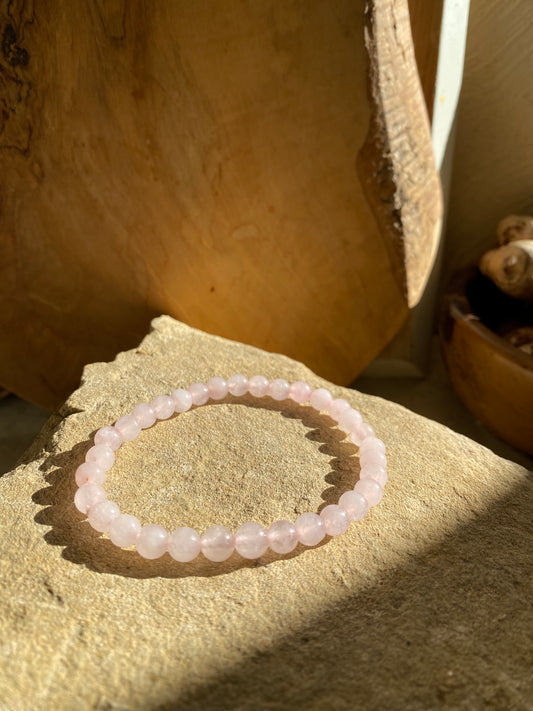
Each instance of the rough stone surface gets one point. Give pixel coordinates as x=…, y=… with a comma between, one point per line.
x=425, y=604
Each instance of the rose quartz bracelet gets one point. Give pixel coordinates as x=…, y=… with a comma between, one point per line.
x=217, y=543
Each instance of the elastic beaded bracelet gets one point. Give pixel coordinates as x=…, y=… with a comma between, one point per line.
x=251, y=540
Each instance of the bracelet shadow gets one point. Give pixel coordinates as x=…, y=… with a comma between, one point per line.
x=85, y=546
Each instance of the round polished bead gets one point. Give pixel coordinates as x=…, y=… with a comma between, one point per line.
x=251, y=540
x=361, y=432
x=370, y=489
x=355, y=505
x=373, y=457
x=350, y=419
x=128, y=427
x=163, y=406
x=337, y=407
x=300, y=391
x=320, y=399
x=152, y=541
x=372, y=443
x=88, y=495
x=184, y=544
x=218, y=388
x=109, y=437
x=258, y=386
x=335, y=519
x=199, y=393
x=217, y=543
x=371, y=471
x=279, y=389
x=182, y=400
x=144, y=414
x=124, y=530
x=282, y=537
x=310, y=529
x=89, y=472
x=101, y=514
x=238, y=384
x=102, y=455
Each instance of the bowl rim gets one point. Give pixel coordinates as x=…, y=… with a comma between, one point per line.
x=459, y=309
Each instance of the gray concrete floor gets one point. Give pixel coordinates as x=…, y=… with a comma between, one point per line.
x=432, y=397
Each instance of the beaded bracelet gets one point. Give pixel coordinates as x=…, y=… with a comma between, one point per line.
x=251, y=540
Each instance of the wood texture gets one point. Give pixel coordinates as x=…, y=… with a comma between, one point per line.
x=199, y=159
x=426, y=20
x=493, y=170
x=396, y=177
x=493, y=378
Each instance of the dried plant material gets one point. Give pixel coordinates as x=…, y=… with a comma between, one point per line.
x=510, y=267
x=515, y=227
x=521, y=338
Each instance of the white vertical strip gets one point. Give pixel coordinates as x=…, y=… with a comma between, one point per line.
x=449, y=73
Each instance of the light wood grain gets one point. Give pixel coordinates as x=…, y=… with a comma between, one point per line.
x=201, y=160
x=492, y=377
x=426, y=18
x=493, y=167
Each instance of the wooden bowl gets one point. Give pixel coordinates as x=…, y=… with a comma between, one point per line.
x=493, y=378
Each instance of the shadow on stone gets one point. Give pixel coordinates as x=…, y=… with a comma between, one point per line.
x=451, y=628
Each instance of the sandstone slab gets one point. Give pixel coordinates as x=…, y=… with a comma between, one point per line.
x=425, y=604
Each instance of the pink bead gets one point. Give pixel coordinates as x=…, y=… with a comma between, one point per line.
x=371, y=471
x=337, y=407
x=372, y=456
x=102, y=455
x=321, y=399
x=182, y=400
x=258, y=386
x=238, y=384
x=217, y=543
x=350, y=419
x=163, y=406
x=360, y=433
x=300, y=392
x=184, y=544
x=335, y=519
x=199, y=393
x=89, y=472
x=128, y=428
x=370, y=489
x=152, y=541
x=218, y=388
x=101, y=514
x=251, y=540
x=372, y=443
x=310, y=529
x=124, y=530
x=144, y=414
x=88, y=495
x=109, y=437
x=279, y=389
x=282, y=537
x=355, y=505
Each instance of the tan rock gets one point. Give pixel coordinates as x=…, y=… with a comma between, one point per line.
x=425, y=604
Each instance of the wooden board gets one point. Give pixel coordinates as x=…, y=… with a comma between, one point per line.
x=426, y=19
x=493, y=170
x=220, y=162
